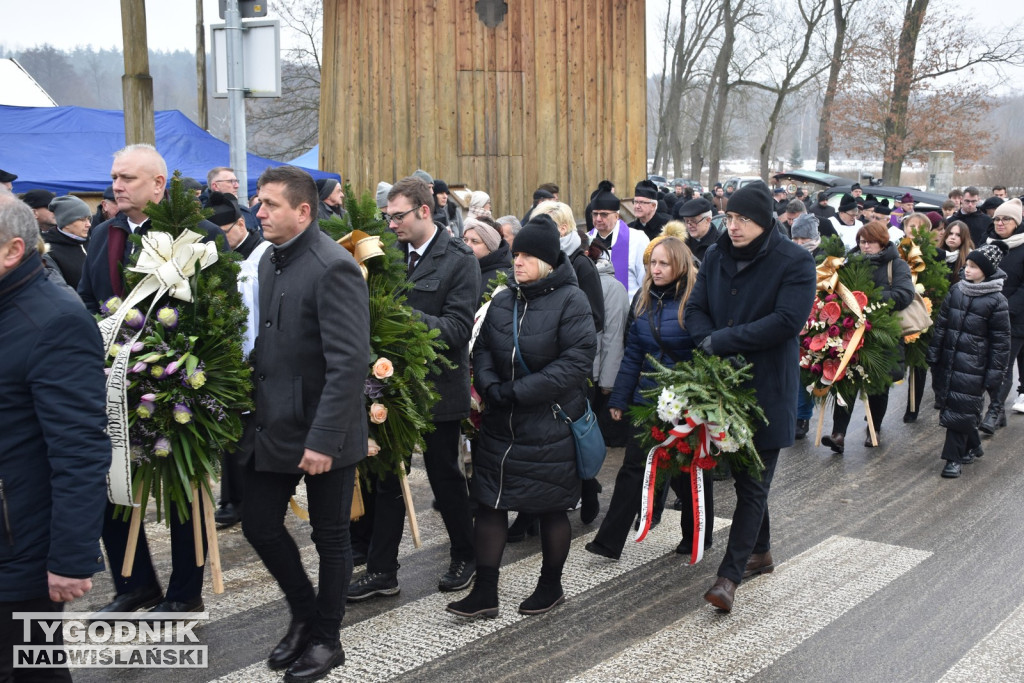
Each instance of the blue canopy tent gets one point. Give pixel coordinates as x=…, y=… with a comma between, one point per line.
x=310, y=159
x=69, y=149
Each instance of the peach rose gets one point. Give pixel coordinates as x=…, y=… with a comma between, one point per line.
x=378, y=413
x=372, y=447
x=383, y=368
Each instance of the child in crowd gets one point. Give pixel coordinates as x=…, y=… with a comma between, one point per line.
x=969, y=352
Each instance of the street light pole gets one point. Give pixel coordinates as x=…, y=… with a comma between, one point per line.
x=236, y=98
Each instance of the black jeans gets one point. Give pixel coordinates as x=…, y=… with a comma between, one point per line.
x=12, y=634
x=958, y=443
x=448, y=483
x=625, y=503
x=751, y=530
x=330, y=506
x=186, y=582
x=232, y=471
x=841, y=416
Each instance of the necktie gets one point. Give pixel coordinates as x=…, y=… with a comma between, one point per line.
x=414, y=257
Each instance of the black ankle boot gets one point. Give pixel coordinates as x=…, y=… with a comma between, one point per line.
x=590, y=504
x=547, y=595
x=482, y=601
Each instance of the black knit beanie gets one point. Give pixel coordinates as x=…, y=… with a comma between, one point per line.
x=325, y=186
x=988, y=256
x=754, y=201
x=539, y=238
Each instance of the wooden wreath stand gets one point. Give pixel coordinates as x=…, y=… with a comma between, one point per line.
x=867, y=413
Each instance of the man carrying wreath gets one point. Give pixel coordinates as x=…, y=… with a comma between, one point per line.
x=753, y=293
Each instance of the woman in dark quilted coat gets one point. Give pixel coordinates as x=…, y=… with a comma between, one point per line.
x=969, y=353
x=657, y=330
x=526, y=456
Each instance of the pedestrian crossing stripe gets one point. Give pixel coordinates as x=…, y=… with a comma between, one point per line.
x=996, y=657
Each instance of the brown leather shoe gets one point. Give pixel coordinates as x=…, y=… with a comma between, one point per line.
x=722, y=594
x=837, y=442
x=759, y=563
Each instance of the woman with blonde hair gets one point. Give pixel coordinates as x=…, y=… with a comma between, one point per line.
x=658, y=330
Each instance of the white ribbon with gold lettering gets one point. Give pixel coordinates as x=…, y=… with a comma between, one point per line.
x=168, y=265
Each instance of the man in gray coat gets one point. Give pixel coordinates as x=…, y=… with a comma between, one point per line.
x=309, y=362
x=446, y=289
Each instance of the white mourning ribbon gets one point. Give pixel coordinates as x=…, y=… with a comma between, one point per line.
x=168, y=265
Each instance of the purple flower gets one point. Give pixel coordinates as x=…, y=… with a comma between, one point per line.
x=134, y=319
x=139, y=367
x=157, y=371
x=834, y=331
x=373, y=388
x=137, y=346
x=182, y=415
x=110, y=305
x=847, y=322
x=168, y=317
x=162, y=447
x=145, y=409
x=148, y=397
x=171, y=368
x=816, y=368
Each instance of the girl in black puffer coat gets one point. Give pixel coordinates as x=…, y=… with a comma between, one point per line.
x=969, y=352
x=526, y=456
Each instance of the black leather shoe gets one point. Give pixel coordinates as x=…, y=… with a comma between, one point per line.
x=597, y=549
x=837, y=442
x=176, y=606
x=951, y=470
x=227, y=515
x=802, y=427
x=759, y=563
x=135, y=600
x=458, y=577
x=722, y=594
x=315, y=662
x=291, y=646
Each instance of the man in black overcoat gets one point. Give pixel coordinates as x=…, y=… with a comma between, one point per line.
x=753, y=294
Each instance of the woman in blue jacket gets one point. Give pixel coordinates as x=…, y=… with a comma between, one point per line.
x=659, y=330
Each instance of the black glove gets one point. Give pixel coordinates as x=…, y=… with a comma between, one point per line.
x=735, y=361
x=500, y=395
x=705, y=346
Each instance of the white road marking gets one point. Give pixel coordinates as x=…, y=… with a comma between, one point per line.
x=772, y=615
x=999, y=656
x=426, y=632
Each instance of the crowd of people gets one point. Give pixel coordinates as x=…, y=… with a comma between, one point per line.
x=581, y=312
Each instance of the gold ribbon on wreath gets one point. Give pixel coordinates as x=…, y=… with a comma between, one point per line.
x=911, y=253
x=363, y=247
x=828, y=281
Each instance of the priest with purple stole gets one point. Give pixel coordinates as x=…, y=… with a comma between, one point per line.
x=626, y=245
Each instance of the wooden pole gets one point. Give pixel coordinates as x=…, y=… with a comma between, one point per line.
x=913, y=395
x=197, y=527
x=202, y=117
x=133, y=534
x=211, y=539
x=410, y=509
x=136, y=83
x=821, y=423
x=871, y=423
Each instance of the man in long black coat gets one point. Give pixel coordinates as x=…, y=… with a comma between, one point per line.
x=753, y=294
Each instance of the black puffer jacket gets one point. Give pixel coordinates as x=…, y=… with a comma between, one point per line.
x=526, y=457
x=969, y=351
x=1013, y=287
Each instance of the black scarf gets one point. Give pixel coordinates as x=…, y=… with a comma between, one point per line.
x=748, y=252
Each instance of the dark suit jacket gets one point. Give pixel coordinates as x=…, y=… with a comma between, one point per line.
x=312, y=354
x=446, y=291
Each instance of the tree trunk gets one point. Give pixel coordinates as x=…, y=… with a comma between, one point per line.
x=894, y=151
x=825, y=122
x=721, y=76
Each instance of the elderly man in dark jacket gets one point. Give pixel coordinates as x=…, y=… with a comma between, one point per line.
x=753, y=294
x=445, y=279
x=54, y=453
x=700, y=233
x=309, y=365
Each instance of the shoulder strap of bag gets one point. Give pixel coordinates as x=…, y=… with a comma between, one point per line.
x=515, y=334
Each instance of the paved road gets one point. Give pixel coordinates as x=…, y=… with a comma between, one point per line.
x=886, y=572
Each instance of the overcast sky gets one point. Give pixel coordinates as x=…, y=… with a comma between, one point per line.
x=68, y=23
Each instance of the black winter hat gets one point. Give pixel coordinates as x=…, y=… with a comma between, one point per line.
x=604, y=200
x=541, y=195
x=882, y=208
x=225, y=208
x=754, y=201
x=847, y=203
x=991, y=203
x=108, y=193
x=646, y=189
x=6, y=177
x=325, y=186
x=988, y=256
x=696, y=207
x=441, y=187
x=38, y=199
x=539, y=238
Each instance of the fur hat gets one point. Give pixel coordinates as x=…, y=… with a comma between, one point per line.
x=488, y=235
x=646, y=189
x=539, y=238
x=847, y=203
x=805, y=226
x=225, y=208
x=671, y=229
x=755, y=202
x=882, y=208
x=1011, y=208
x=325, y=186
x=988, y=256
x=68, y=209
x=38, y=199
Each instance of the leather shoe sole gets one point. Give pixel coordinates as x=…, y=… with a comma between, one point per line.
x=485, y=613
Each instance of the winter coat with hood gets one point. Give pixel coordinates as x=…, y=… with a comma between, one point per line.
x=1013, y=286
x=526, y=456
x=969, y=350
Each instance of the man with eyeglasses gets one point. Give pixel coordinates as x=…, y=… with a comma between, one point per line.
x=978, y=222
x=625, y=244
x=846, y=222
x=223, y=179
x=752, y=296
x=445, y=276
x=645, y=208
x=700, y=235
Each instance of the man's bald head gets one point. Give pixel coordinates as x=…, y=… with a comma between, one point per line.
x=140, y=176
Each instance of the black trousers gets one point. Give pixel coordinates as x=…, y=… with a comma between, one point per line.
x=232, y=470
x=1016, y=347
x=330, y=506
x=186, y=582
x=12, y=635
x=958, y=443
x=879, y=403
x=625, y=503
x=751, y=529
x=441, y=458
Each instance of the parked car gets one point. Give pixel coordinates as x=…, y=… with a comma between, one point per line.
x=923, y=201
x=823, y=180
x=739, y=181
x=659, y=180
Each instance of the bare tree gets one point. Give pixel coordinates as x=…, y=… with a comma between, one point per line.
x=841, y=11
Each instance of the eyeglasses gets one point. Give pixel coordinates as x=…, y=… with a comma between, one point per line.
x=742, y=220
x=604, y=214
x=643, y=202
x=694, y=222
x=229, y=181
x=390, y=218
x=1002, y=219
x=866, y=242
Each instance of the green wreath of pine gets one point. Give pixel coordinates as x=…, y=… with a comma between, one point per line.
x=935, y=281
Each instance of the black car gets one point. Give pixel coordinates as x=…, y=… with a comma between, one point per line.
x=923, y=201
